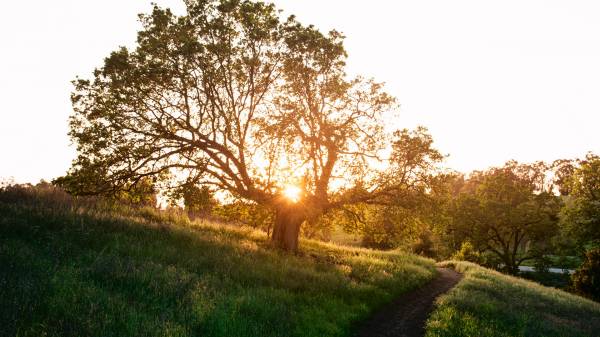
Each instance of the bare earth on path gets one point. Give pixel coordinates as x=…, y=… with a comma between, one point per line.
x=406, y=315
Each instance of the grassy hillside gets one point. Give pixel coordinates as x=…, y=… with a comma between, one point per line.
x=487, y=303
x=72, y=271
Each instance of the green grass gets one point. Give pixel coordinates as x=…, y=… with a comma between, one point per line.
x=65, y=271
x=487, y=303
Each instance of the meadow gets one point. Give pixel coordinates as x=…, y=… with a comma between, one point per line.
x=488, y=303
x=73, y=268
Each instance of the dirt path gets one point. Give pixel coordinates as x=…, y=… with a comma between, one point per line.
x=406, y=316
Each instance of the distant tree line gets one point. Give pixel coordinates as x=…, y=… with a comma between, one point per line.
x=507, y=214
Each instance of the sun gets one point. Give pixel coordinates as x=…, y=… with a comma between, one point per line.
x=292, y=192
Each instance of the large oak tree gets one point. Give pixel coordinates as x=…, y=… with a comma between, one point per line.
x=231, y=96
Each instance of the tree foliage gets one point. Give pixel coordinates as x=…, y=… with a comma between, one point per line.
x=231, y=97
x=586, y=279
x=402, y=217
x=197, y=200
x=508, y=212
x=581, y=215
x=247, y=213
x=467, y=252
x=563, y=170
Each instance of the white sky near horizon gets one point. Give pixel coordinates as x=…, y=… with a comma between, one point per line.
x=492, y=80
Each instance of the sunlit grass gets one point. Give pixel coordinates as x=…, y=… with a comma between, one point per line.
x=488, y=303
x=70, y=271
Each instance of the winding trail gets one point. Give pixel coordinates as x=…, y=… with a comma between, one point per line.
x=406, y=315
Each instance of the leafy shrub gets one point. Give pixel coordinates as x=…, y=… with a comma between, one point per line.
x=424, y=244
x=198, y=200
x=586, y=280
x=467, y=252
x=44, y=195
x=247, y=213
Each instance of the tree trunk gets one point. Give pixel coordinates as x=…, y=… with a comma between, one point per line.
x=288, y=218
x=511, y=266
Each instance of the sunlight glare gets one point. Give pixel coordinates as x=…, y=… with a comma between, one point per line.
x=292, y=192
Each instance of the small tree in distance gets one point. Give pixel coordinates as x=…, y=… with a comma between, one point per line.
x=198, y=201
x=581, y=215
x=507, y=211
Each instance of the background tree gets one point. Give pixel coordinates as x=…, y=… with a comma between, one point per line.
x=581, y=214
x=233, y=98
x=586, y=280
x=563, y=170
x=507, y=213
x=198, y=201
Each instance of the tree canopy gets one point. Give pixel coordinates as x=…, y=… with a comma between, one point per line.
x=415, y=174
x=507, y=211
x=581, y=214
x=231, y=97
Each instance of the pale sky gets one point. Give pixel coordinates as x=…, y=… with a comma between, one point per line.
x=492, y=80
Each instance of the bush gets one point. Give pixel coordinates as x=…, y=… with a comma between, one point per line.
x=467, y=253
x=43, y=195
x=424, y=244
x=586, y=280
x=247, y=213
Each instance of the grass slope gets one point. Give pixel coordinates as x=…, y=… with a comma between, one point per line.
x=67, y=272
x=488, y=303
